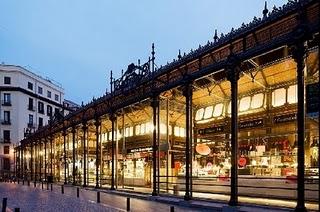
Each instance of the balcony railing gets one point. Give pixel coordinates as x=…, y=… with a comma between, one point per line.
x=5, y=140
x=32, y=125
x=6, y=121
x=31, y=107
x=5, y=103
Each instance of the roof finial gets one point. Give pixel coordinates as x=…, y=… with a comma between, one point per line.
x=152, y=52
x=111, y=81
x=179, y=55
x=215, y=37
x=265, y=11
x=152, y=59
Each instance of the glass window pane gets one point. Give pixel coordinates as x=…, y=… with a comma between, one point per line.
x=208, y=112
x=257, y=101
x=119, y=135
x=218, y=109
x=138, y=127
x=131, y=131
x=126, y=132
x=182, y=132
x=163, y=129
x=245, y=103
x=199, y=114
x=278, y=97
x=292, y=94
x=149, y=127
x=176, y=131
x=170, y=130
x=110, y=136
x=143, y=129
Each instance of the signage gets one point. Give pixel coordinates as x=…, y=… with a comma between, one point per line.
x=145, y=149
x=250, y=124
x=211, y=130
x=284, y=118
x=242, y=161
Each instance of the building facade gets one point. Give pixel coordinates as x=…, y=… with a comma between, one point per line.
x=236, y=119
x=28, y=101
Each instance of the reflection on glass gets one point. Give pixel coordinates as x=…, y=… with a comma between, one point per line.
x=245, y=103
x=257, y=101
x=292, y=94
x=199, y=114
x=208, y=112
x=279, y=97
x=163, y=129
x=218, y=109
x=138, y=129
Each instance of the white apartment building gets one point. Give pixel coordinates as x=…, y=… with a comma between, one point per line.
x=27, y=102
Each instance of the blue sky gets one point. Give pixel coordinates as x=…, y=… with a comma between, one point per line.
x=78, y=42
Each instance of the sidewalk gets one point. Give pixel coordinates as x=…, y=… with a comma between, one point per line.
x=117, y=200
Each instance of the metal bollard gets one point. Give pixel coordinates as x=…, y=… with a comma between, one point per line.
x=78, y=192
x=128, y=203
x=42, y=185
x=98, y=196
x=22, y=182
x=28, y=182
x=51, y=187
x=47, y=186
x=16, y=209
x=62, y=189
x=171, y=208
x=35, y=184
x=4, y=204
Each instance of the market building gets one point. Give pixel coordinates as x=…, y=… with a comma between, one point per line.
x=237, y=117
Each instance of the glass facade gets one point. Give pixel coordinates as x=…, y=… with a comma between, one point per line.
x=249, y=130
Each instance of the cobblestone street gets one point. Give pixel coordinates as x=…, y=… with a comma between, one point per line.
x=35, y=199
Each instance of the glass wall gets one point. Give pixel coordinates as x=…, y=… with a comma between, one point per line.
x=312, y=126
x=211, y=159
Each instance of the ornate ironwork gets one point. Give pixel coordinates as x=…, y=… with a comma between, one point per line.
x=132, y=77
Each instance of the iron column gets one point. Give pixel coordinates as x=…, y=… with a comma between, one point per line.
x=84, y=129
x=31, y=162
x=64, y=133
x=187, y=92
x=154, y=105
x=45, y=159
x=51, y=156
x=233, y=77
x=73, y=155
x=299, y=53
x=113, y=119
x=97, y=124
x=40, y=160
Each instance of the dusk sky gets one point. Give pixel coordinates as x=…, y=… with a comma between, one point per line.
x=78, y=42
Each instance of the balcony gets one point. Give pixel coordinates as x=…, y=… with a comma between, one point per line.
x=32, y=125
x=5, y=140
x=6, y=122
x=5, y=103
x=31, y=107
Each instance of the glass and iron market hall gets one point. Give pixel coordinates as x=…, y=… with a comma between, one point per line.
x=236, y=119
